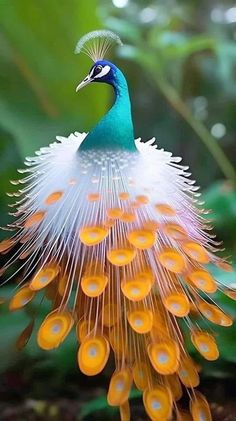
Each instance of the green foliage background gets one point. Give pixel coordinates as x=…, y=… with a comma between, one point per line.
x=180, y=65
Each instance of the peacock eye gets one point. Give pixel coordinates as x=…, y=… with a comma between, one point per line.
x=97, y=70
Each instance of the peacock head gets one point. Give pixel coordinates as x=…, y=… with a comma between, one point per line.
x=102, y=71
x=96, y=44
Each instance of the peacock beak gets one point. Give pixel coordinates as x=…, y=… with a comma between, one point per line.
x=84, y=82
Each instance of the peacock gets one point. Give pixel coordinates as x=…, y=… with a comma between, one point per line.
x=111, y=231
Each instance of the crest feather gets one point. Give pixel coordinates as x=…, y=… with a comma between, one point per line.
x=96, y=44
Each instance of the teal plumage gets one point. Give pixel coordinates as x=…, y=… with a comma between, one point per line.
x=115, y=129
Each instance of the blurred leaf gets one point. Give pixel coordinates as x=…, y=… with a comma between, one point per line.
x=180, y=44
x=39, y=71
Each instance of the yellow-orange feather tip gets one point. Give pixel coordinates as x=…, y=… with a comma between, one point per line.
x=114, y=213
x=90, y=236
x=227, y=267
x=128, y=217
x=135, y=289
x=164, y=356
x=34, y=219
x=214, y=314
x=121, y=257
x=54, y=197
x=203, y=280
x=119, y=388
x=151, y=225
x=177, y=304
x=172, y=260
x=142, y=239
x=165, y=210
x=44, y=276
x=205, y=344
x=93, y=355
x=158, y=403
x=196, y=252
x=175, y=386
x=54, y=329
x=123, y=196
x=175, y=231
x=125, y=412
x=141, y=375
x=21, y=298
x=231, y=294
x=187, y=372
x=6, y=244
x=93, y=197
x=84, y=328
x=140, y=320
x=142, y=199
x=199, y=408
x=93, y=286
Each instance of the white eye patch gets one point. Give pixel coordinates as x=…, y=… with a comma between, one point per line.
x=104, y=72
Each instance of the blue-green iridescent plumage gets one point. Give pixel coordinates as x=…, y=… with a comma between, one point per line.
x=115, y=129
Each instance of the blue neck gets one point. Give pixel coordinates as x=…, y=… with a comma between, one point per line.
x=115, y=129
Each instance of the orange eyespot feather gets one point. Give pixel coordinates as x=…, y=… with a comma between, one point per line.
x=136, y=289
x=91, y=236
x=205, y=344
x=165, y=210
x=175, y=231
x=54, y=329
x=172, y=260
x=187, y=372
x=128, y=217
x=196, y=252
x=164, y=356
x=203, y=280
x=121, y=257
x=142, y=239
x=158, y=403
x=125, y=411
x=21, y=298
x=93, y=197
x=177, y=304
x=54, y=197
x=141, y=375
x=119, y=388
x=94, y=285
x=214, y=314
x=142, y=199
x=34, y=219
x=141, y=320
x=123, y=196
x=84, y=328
x=5, y=245
x=93, y=355
x=45, y=275
x=114, y=213
x=175, y=386
x=199, y=408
